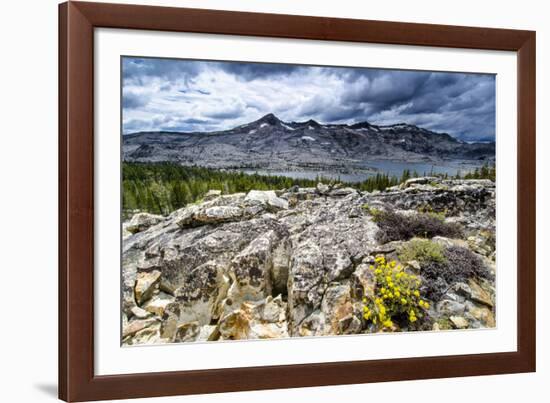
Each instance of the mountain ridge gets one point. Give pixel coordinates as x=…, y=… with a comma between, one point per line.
x=270, y=117
x=272, y=143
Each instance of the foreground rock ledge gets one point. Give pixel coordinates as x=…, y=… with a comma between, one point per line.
x=287, y=263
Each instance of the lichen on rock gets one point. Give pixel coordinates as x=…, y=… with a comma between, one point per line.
x=299, y=262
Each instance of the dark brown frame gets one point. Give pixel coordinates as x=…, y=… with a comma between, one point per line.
x=77, y=21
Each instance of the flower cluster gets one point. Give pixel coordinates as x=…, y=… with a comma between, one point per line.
x=396, y=295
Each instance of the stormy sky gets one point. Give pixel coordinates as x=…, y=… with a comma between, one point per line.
x=186, y=95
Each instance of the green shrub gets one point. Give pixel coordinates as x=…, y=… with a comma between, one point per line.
x=395, y=226
x=373, y=211
x=423, y=251
x=428, y=209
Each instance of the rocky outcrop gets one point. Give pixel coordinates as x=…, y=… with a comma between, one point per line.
x=141, y=222
x=267, y=199
x=294, y=262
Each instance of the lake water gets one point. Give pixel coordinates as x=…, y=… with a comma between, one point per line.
x=371, y=168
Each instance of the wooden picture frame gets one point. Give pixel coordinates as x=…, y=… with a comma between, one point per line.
x=77, y=21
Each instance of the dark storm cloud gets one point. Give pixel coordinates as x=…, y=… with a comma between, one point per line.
x=232, y=112
x=131, y=100
x=386, y=88
x=170, y=69
x=140, y=69
x=254, y=71
x=166, y=94
x=193, y=121
x=460, y=104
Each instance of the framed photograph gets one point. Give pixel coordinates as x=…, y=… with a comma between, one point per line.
x=256, y=201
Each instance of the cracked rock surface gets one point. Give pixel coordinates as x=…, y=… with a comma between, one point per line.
x=286, y=263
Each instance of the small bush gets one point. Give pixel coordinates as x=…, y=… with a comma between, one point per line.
x=399, y=227
x=427, y=208
x=396, y=298
x=423, y=251
x=373, y=211
x=460, y=265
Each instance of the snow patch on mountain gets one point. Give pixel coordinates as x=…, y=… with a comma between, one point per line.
x=287, y=127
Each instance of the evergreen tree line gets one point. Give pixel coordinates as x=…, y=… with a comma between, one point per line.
x=485, y=172
x=161, y=188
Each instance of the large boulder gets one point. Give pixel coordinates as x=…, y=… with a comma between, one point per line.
x=146, y=284
x=217, y=215
x=479, y=294
x=337, y=314
x=158, y=303
x=264, y=319
x=146, y=335
x=459, y=322
x=212, y=194
x=267, y=197
x=304, y=282
x=251, y=269
x=322, y=188
x=340, y=192
x=363, y=281
x=195, y=216
x=135, y=326
x=141, y=221
x=201, y=291
x=280, y=264
x=193, y=331
x=450, y=308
